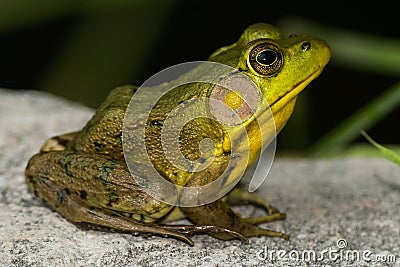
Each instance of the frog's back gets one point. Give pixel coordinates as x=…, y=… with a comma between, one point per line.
x=103, y=133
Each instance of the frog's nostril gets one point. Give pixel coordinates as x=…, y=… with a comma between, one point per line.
x=292, y=35
x=305, y=46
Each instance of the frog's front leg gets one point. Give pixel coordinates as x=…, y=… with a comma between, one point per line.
x=220, y=214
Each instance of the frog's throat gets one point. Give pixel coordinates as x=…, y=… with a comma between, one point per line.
x=291, y=94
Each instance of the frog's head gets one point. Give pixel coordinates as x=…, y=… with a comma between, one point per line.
x=280, y=67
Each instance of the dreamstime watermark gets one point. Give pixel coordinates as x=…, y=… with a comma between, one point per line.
x=204, y=109
x=340, y=253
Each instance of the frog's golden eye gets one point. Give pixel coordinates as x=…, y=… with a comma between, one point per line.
x=266, y=59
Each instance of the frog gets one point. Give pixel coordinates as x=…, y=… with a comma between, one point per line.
x=79, y=173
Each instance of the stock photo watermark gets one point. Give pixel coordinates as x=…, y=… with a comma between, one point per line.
x=211, y=106
x=339, y=253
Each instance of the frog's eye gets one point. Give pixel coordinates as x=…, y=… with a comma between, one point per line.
x=266, y=59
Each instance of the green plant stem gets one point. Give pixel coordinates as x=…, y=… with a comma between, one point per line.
x=387, y=153
x=362, y=119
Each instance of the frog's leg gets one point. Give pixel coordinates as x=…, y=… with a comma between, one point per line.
x=73, y=194
x=220, y=214
x=238, y=196
x=74, y=209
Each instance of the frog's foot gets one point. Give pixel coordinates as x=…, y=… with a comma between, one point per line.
x=239, y=196
x=250, y=230
x=190, y=230
x=227, y=234
x=219, y=213
x=258, y=231
x=74, y=209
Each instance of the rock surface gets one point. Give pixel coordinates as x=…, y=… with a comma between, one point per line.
x=350, y=203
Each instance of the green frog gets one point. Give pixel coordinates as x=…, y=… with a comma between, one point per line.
x=84, y=176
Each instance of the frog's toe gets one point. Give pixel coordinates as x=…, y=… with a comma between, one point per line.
x=267, y=232
x=246, y=231
x=251, y=229
x=190, y=230
x=272, y=210
x=238, y=196
x=265, y=219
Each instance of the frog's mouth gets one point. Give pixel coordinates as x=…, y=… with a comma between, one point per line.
x=291, y=94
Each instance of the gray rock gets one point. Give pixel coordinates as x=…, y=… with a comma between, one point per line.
x=353, y=203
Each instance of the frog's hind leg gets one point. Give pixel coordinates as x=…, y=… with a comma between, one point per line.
x=238, y=196
x=78, y=211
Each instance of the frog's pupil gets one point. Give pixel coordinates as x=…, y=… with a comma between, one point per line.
x=266, y=57
x=305, y=46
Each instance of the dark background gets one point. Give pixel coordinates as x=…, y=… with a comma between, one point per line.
x=82, y=51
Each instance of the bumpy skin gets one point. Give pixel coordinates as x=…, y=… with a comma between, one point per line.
x=79, y=174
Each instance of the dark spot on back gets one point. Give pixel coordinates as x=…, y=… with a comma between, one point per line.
x=118, y=135
x=156, y=123
x=82, y=194
x=97, y=145
x=65, y=163
x=61, y=197
x=105, y=170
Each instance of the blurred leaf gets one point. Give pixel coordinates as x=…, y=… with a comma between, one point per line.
x=387, y=153
x=23, y=13
x=17, y=14
x=105, y=50
x=365, y=150
x=362, y=119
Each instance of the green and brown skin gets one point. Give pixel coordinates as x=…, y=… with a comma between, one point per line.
x=79, y=174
